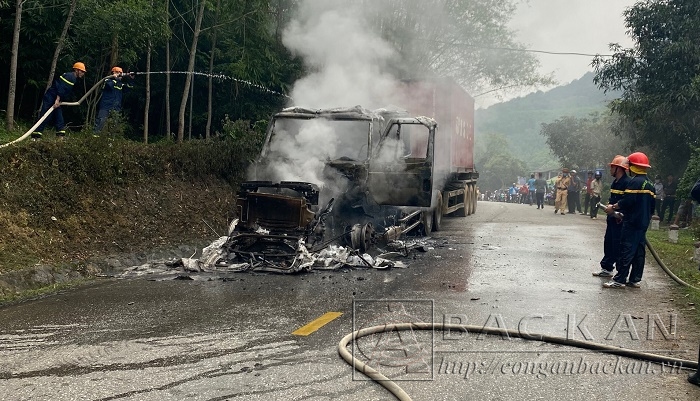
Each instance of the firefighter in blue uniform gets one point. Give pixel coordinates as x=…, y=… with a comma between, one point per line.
x=112, y=95
x=637, y=206
x=60, y=89
x=611, y=245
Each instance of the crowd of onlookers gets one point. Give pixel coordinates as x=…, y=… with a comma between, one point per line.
x=581, y=194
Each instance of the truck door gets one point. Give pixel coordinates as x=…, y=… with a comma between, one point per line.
x=401, y=167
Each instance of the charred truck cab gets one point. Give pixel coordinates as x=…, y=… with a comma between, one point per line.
x=350, y=175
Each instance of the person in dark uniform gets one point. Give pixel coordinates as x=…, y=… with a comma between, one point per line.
x=637, y=207
x=596, y=191
x=669, y=201
x=611, y=244
x=112, y=95
x=540, y=190
x=60, y=89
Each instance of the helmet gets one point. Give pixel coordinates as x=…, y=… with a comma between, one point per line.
x=573, y=171
x=598, y=174
x=565, y=170
x=639, y=159
x=117, y=70
x=620, y=161
x=79, y=66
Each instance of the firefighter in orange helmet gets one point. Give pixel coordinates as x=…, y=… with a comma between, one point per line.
x=60, y=89
x=613, y=230
x=112, y=95
x=637, y=206
x=561, y=185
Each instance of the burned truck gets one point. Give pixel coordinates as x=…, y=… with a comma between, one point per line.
x=357, y=176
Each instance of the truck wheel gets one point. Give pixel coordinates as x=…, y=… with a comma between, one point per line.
x=427, y=220
x=468, y=191
x=475, y=199
x=437, y=213
x=361, y=237
x=462, y=211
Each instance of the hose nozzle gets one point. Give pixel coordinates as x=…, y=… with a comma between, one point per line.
x=617, y=215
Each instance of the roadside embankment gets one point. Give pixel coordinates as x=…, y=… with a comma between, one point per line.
x=75, y=209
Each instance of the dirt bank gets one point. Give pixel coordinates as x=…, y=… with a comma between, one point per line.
x=76, y=210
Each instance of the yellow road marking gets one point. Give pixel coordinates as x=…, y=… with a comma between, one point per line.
x=317, y=324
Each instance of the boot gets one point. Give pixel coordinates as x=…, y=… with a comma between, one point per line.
x=695, y=378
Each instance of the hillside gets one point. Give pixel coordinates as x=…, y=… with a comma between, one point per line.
x=519, y=120
x=74, y=208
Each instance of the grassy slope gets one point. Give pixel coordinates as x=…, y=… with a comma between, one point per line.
x=679, y=259
x=62, y=203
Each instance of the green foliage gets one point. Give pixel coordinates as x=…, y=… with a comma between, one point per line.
x=583, y=143
x=520, y=120
x=690, y=176
x=678, y=258
x=93, y=162
x=464, y=40
x=119, y=30
x=248, y=138
x=659, y=77
x=116, y=126
x=498, y=168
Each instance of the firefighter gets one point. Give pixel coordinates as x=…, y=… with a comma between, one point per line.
x=637, y=206
x=611, y=245
x=112, y=95
x=60, y=89
x=562, y=184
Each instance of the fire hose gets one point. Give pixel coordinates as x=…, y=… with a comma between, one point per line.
x=668, y=271
x=51, y=109
x=400, y=394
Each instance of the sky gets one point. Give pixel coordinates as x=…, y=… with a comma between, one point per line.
x=578, y=26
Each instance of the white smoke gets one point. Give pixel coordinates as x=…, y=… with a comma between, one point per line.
x=301, y=156
x=347, y=58
x=347, y=61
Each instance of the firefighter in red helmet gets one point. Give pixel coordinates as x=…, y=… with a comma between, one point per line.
x=637, y=206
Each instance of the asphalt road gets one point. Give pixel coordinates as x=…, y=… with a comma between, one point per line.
x=509, y=266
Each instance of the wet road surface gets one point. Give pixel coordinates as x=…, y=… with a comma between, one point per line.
x=509, y=266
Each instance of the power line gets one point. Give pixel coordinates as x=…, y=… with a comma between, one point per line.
x=513, y=49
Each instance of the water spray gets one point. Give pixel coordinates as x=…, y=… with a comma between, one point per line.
x=219, y=76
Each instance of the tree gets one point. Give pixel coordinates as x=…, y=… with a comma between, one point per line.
x=586, y=142
x=498, y=168
x=11, y=93
x=190, y=69
x=660, y=79
x=167, y=73
x=210, y=83
x=61, y=42
x=467, y=40
x=147, y=106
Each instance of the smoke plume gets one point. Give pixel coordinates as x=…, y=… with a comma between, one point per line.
x=347, y=58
